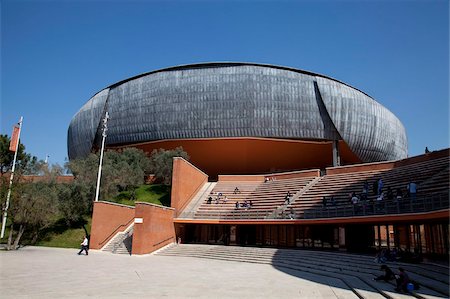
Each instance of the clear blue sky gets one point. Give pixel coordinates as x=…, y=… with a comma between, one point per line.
x=56, y=54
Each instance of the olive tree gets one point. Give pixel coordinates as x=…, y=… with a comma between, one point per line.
x=33, y=208
x=122, y=170
x=161, y=163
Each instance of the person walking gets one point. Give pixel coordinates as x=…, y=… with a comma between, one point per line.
x=84, y=246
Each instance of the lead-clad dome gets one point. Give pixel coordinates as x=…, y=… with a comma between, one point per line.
x=221, y=100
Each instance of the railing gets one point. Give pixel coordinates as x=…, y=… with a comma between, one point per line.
x=425, y=203
x=156, y=244
x=235, y=214
x=115, y=232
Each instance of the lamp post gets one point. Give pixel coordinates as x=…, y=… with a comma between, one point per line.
x=11, y=178
x=105, y=128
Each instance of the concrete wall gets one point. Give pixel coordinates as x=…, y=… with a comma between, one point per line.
x=153, y=228
x=187, y=180
x=107, y=220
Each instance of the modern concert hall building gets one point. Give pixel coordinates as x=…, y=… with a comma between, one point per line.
x=254, y=133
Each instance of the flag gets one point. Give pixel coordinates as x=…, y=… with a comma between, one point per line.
x=14, y=139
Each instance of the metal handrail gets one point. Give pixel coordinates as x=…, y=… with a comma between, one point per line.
x=423, y=203
x=115, y=231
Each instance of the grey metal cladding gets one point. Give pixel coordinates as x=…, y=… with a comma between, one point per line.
x=83, y=126
x=371, y=131
x=236, y=100
x=214, y=102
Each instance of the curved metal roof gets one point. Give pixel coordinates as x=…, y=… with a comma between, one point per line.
x=227, y=64
x=233, y=99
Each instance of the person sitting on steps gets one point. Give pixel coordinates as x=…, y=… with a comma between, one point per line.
x=402, y=280
x=388, y=274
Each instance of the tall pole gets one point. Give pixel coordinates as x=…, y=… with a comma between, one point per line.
x=8, y=196
x=105, y=128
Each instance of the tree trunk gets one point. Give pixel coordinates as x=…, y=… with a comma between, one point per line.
x=19, y=235
x=35, y=237
x=11, y=230
x=85, y=231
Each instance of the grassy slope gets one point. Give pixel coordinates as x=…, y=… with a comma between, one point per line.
x=64, y=237
x=157, y=194
x=61, y=236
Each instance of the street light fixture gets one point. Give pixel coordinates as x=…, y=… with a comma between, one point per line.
x=104, y=129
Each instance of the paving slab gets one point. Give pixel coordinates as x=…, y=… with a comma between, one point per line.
x=40, y=272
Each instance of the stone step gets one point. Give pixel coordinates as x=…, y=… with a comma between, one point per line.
x=359, y=287
x=361, y=267
x=122, y=241
x=314, y=258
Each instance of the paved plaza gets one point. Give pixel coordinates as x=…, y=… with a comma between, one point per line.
x=40, y=272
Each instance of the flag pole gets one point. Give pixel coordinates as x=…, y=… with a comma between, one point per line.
x=5, y=211
x=105, y=128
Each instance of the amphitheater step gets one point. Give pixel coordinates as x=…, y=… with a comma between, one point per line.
x=355, y=271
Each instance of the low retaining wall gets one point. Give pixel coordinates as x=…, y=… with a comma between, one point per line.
x=241, y=178
x=107, y=220
x=153, y=228
x=261, y=177
x=389, y=164
x=361, y=167
x=187, y=180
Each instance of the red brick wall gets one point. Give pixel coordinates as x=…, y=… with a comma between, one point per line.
x=261, y=177
x=155, y=231
x=296, y=174
x=41, y=178
x=361, y=167
x=241, y=178
x=186, y=182
x=107, y=220
x=390, y=164
x=425, y=157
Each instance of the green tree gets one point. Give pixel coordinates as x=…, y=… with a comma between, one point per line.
x=72, y=204
x=132, y=166
x=161, y=163
x=33, y=208
x=121, y=170
x=81, y=192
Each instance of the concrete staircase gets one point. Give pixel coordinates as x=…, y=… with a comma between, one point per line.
x=197, y=201
x=121, y=242
x=355, y=271
x=283, y=209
